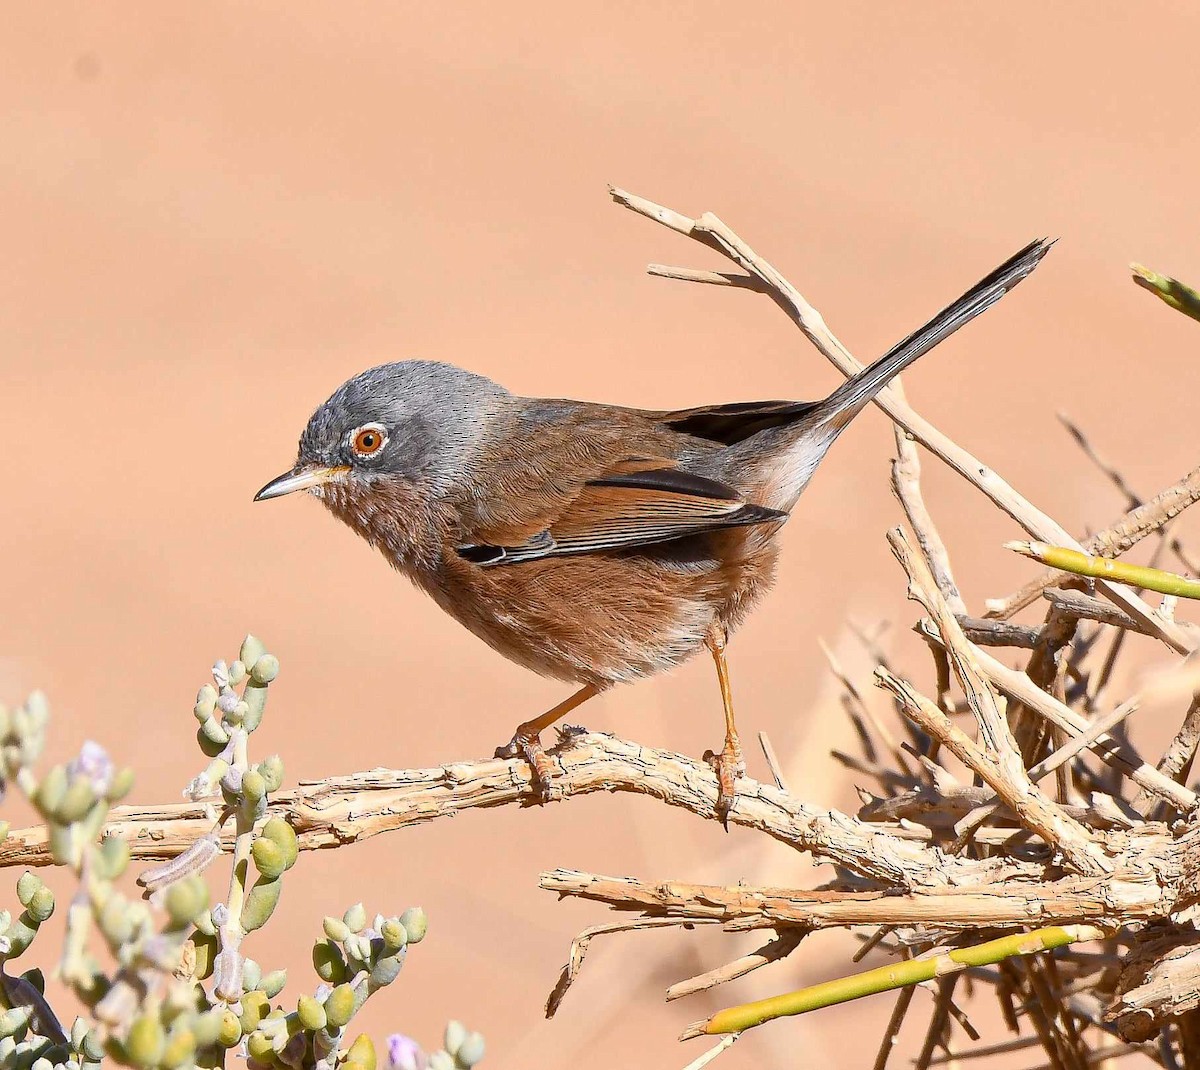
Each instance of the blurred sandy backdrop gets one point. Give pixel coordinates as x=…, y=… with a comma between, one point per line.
x=213, y=214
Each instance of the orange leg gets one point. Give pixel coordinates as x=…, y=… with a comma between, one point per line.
x=527, y=743
x=729, y=764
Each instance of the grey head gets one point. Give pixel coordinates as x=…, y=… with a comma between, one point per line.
x=418, y=423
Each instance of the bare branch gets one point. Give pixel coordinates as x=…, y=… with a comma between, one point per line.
x=1104, y=903
x=999, y=761
x=1089, y=608
x=342, y=810
x=1160, y=981
x=579, y=949
x=1178, y=757
x=772, y=951
x=709, y=231
x=1017, y=685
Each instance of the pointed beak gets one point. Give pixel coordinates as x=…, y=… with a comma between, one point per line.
x=301, y=479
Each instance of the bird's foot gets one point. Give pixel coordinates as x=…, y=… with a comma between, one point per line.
x=728, y=765
x=530, y=748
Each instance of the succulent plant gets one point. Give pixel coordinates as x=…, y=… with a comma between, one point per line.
x=167, y=983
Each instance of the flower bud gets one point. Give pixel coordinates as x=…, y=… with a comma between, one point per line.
x=355, y=918
x=115, y=922
x=145, y=1041
x=206, y=1027
x=28, y=883
x=121, y=785
x=335, y=928
x=454, y=1035
x=470, y=1051
x=254, y=787
x=255, y=1007
x=184, y=900
x=268, y=858
x=76, y=802
x=212, y=738
x=260, y=903
x=251, y=650
x=206, y=703
x=180, y=1049
x=310, y=1013
x=285, y=837
x=14, y=1020
x=415, y=923
x=91, y=1049
x=251, y=974
x=41, y=906
x=339, y=1007
x=51, y=790
x=265, y=669
x=260, y=1048
x=273, y=983
x=271, y=769
x=395, y=936
x=329, y=962
x=361, y=1055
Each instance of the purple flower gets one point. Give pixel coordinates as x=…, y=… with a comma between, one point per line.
x=93, y=765
x=404, y=1053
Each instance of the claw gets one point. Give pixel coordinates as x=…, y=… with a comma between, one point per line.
x=728, y=765
x=544, y=771
x=526, y=743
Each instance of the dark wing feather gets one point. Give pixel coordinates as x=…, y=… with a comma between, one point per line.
x=622, y=510
x=734, y=422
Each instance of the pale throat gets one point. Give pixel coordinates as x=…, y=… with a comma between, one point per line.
x=394, y=516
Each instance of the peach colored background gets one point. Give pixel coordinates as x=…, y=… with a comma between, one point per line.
x=213, y=214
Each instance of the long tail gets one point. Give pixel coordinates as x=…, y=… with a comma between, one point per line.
x=849, y=399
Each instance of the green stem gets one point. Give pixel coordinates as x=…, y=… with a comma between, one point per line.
x=229, y=935
x=895, y=975
x=1081, y=564
x=1180, y=297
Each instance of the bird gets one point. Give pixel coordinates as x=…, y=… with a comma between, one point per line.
x=591, y=543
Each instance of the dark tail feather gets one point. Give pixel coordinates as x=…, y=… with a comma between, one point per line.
x=852, y=396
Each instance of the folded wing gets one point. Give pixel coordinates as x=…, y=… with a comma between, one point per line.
x=626, y=507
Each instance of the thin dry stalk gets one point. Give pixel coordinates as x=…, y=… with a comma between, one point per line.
x=783, y=945
x=1000, y=764
x=895, y=1023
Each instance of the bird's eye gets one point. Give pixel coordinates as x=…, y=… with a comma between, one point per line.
x=368, y=440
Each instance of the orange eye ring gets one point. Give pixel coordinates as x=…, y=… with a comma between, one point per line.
x=368, y=440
